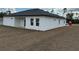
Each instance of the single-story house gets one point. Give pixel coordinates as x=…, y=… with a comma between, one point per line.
x=35, y=19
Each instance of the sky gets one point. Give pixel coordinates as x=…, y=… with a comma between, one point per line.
x=21, y=9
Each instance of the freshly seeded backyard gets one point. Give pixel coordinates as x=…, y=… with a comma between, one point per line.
x=60, y=39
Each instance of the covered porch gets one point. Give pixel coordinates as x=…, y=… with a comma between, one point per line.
x=20, y=22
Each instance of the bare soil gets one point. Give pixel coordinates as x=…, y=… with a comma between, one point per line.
x=60, y=39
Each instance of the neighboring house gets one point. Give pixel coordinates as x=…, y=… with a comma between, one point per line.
x=35, y=19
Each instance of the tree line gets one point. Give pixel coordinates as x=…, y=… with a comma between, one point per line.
x=69, y=17
x=4, y=13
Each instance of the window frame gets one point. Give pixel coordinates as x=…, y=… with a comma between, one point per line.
x=37, y=21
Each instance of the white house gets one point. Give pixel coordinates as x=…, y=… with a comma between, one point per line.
x=35, y=19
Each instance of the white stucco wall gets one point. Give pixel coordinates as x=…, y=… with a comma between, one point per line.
x=46, y=23
x=8, y=21
x=54, y=23
x=41, y=26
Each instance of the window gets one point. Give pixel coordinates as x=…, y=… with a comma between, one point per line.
x=31, y=20
x=37, y=21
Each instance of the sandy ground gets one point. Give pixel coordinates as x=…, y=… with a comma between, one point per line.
x=60, y=39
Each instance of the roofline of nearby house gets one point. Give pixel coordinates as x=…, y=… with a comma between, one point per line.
x=48, y=14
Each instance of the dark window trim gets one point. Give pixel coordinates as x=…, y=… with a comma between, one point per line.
x=37, y=21
x=31, y=21
x=24, y=22
x=59, y=21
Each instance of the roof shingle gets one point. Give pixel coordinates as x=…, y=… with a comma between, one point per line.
x=35, y=12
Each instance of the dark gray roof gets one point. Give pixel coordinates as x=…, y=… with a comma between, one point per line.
x=35, y=12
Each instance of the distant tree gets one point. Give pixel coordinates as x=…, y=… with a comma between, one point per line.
x=69, y=17
x=2, y=14
x=8, y=12
x=64, y=10
x=52, y=10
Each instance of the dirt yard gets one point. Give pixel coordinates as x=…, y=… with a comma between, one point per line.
x=60, y=39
